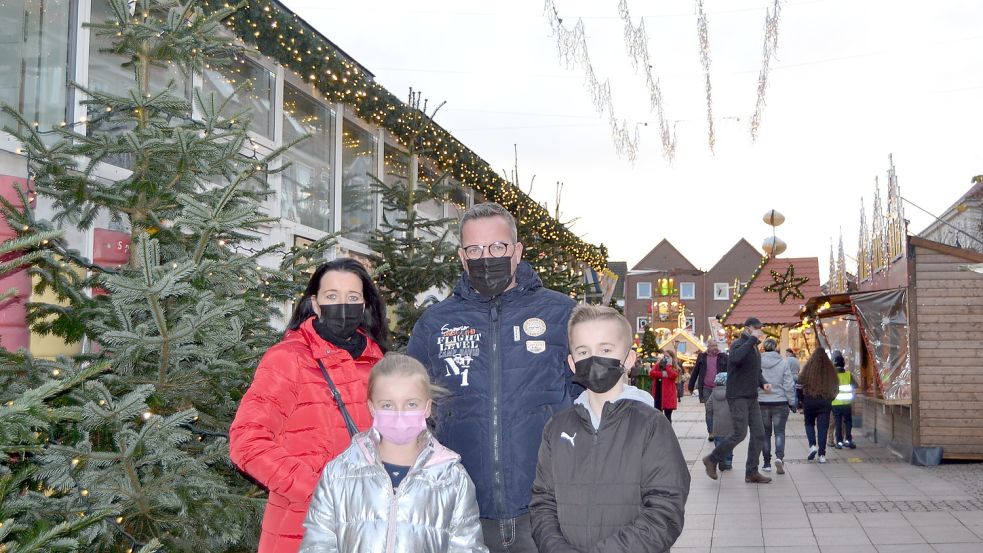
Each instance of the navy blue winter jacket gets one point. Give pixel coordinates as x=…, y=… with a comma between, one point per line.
x=504, y=362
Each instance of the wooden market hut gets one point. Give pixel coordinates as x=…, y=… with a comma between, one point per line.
x=913, y=338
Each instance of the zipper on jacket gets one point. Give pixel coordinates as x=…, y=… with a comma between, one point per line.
x=498, y=478
x=593, y=472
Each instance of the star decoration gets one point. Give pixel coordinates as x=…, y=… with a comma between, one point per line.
x=885, y=320
x=786, y=285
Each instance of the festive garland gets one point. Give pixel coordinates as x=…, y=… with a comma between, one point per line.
x=283, y=36
x=740, y=293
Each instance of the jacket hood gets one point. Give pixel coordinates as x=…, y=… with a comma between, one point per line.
x=771, y=359
x=525, y=277
x=629, y=392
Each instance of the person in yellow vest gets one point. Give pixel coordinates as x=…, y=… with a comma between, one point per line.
x=843, y=405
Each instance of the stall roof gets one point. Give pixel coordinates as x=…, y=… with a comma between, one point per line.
x=766, y=306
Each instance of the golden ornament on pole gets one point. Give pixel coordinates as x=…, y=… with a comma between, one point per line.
x=773, y=246
x=773, y=218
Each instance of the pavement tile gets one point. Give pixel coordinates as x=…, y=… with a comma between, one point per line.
x=853, y=549
x=792, y=549
x=733, y=549
x=904, y=548
x=948, y=534
x=893, y=535
x=783, y=520
x=882, y=520
x=789, y=537
x=833, y=520
x=738, y=537
x=931, y=519
x=841, y=536
x=694, y=538
x=957, y=547
x=698, y=522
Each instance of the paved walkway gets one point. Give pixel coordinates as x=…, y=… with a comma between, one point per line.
x=863, y=500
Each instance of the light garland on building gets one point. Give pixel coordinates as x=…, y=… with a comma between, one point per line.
x=290, y=41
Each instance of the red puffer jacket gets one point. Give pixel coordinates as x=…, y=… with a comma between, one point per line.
x=288, y=426
x=668, y=384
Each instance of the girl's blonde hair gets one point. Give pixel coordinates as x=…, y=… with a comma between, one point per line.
x=398, y=364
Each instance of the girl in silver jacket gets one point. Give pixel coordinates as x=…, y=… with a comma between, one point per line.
x=395, y=489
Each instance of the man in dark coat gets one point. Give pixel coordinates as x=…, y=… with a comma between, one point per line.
x=499, y=345
x=744, y=378
x=708, y=365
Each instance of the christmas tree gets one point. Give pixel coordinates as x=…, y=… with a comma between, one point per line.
x=134, y=455
x=414, y=253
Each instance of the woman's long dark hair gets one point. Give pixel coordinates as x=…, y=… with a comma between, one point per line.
x=818, y=376
x=374, y=320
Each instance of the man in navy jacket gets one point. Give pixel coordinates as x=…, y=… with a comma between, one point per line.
x=499, y=345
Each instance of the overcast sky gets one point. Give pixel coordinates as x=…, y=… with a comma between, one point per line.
x=853, y=82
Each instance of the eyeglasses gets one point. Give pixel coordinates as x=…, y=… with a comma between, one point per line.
x=495, y=249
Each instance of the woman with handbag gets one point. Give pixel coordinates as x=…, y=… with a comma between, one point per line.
x=309, y=396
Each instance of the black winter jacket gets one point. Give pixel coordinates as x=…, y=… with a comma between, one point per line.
x=744, y=368
x=620, y=489
x=504, y=362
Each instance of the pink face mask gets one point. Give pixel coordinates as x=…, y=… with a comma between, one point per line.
x=399, y=427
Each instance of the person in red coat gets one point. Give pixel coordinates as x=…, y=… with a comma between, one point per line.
x=664, y=374
x=288, y=425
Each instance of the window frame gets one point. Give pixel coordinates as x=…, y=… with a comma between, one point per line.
x=717, y=296
x=638, y=291
x=683, y=295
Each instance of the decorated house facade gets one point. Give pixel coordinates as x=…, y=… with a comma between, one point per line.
x=664, y=286
x=294, y=83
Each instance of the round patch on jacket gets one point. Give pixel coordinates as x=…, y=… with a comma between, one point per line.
x=534, y=327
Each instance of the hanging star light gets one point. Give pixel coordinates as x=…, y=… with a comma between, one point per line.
x=786, y=285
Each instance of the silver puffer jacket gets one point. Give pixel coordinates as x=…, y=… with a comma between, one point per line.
x=355, y=509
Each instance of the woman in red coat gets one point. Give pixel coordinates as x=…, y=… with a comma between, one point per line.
x=288, y=425
x=664, y=374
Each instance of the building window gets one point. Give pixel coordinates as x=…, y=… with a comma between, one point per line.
x=34, y=37
x=308, y=182
x=255, y=97
x=643, y=290
x=721, y=291
x=358, y=162
x=641, y=323
x=687, y=290
x=691, y=323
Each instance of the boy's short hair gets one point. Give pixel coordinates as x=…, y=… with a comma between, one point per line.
x=587, y=313
x=770, y=344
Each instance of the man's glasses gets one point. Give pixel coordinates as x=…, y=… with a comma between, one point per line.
x=495, y=249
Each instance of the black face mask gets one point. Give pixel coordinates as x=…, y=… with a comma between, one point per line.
x=341, y=319
x=598, y=374
x=490, y=276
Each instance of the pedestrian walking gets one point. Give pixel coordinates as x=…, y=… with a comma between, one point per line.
x=395, y=488
x=664, y=373
x=743, y=381
x=708, y=364
x=308, y=396
x=722, y=425
x=775, y=404
x=499, y=345
x=611, y=476
x=818, y=386
x=793, y=363
x=843, y=405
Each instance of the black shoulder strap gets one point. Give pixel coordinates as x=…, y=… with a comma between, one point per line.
x=352, y=429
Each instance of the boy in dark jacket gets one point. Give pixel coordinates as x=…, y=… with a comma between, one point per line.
x=611, y=476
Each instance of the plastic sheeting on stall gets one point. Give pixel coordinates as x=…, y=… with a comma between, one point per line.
x=842, y=332
x=883, y=318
